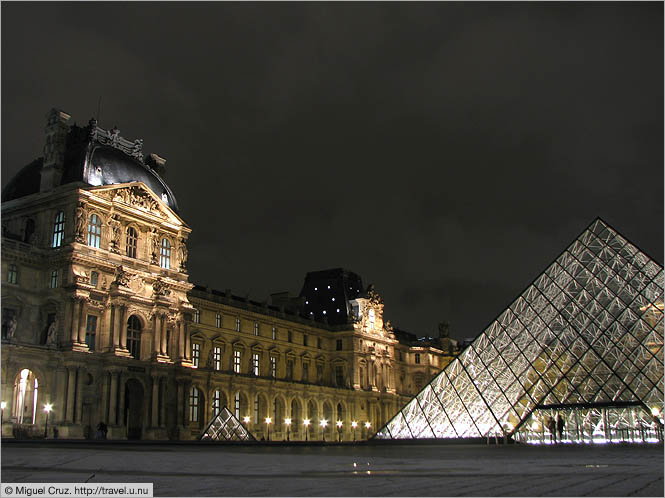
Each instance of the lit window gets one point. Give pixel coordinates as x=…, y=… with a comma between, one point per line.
x=94, y=278
x=417, y=357
x=273, y=367
x=236, y=405
x=236, y=361
x=255, y=364
x=58, y=230
x=218, y=321
x=216, y=402
x=194, y=404
x=256, y=328
x=12, y=274
x=134, y=336
x=25, y=403
x=274, y=333
x=197, y=316
x=371, y=318
x=217, y=358
x=237, y=324
x=196, y=354
x=333, y=299
x=91, y=331
x=165, y=254
x=132, y=240
x=94, y=231
x=256, y=409
x=54, y=279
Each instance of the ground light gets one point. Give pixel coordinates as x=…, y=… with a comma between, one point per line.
x=268, y=421
x=354, y=424
x=47, y=408
x=3, y=405
x=339, y=429
x=306, y=424
x=287, y=421
x=324, y=422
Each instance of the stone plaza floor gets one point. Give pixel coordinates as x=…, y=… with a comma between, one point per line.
x=345, y=470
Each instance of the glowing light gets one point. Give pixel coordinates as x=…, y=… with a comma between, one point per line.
x=246, y=420
x=328, y=287
x=268, y=420
x=655, y=411
x=354, y=424
x=316, y=288
x=324, y=422
x=339, y=424
x=368, y=425
x=3, y=405
x=324, y=312
x=333, y=298
x=48, y=407
x=287, y=421
x=306, y=422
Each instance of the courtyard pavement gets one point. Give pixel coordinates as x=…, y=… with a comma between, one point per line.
x=345, y=470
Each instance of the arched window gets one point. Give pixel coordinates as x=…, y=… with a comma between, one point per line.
x=58, y=230
x=295, y=415
x=340, y=412
x=216, y=402
x=94, y=231
x=132, y=238
x=165, y=254
x=134, y=336
x=194, y=403
x=25, y=397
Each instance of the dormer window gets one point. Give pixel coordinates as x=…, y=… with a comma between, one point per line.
x=94, y=231
x=165, y=254
x=132, y=238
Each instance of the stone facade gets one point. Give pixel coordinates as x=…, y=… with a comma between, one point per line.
x=101, y=322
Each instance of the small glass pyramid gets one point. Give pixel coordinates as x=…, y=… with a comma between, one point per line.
x=578, y=355
x=225, y=427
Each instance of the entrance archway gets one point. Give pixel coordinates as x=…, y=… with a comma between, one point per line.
x=134, y=409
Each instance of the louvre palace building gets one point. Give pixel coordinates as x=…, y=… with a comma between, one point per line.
x=100, y=322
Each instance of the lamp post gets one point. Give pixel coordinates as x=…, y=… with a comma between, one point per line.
x=268, y=421
x=324, y=422
x=354, y=424
x=306, y=423
x=47, y=409
x=339, y=430
x=3, y=405
x=287, y=421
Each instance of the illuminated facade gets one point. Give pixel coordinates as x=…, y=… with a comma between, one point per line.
x=582, y=346
x=100, y=320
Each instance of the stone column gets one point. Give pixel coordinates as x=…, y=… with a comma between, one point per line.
x=188, y=345
x=117, y=319
x=162, y=406
x=83, y=322
x=164, y=346
x=61, y=399
x=71, y=393
x=79, y=396
x=113, y=399
x=155, y=401
x=121, y=400
x=181, y=340
x=180, y=402
x=123, y=327
x=105, y=399
x=76, y=315
x=157, y=332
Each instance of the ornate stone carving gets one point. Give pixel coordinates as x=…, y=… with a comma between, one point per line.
x=116, y=232
x=182, y=254
x=159, y=288
x=121, y=277
x=154, y=245
x=81, y=221
x=374, y=298
x=138, y=198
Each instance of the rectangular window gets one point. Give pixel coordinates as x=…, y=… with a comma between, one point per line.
x=318, y=342
x=305, y=372
x=417, y=357
x=289, y=369
x=12, y=274
x=237, y=324
x=91, y=331
x=319, y=374
x=194, y=404
x=236, y=361
x=339, y=376
x=256, y=409
x=165, y=254
x=236, y=405
x=53, y=284
x=197, y=316
x=339, y=345
x=216, y=402
x=304, y=339
x=273, y=367
x=274, y=333
x=94, y=231
x=59, y=230
x=255, y=364
x=289, y=336
x=196, y=353
x=217, y=358
x=218, y=321
x=256, y=328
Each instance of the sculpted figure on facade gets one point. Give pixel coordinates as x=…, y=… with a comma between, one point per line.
x=52, y=333
x=81, y=219
x=114, y=136
x=159, y=288
x=116, y=231
x=444, y=329
x=182, y=254
x=154, y=244
x=11, y=328
x=121, y=277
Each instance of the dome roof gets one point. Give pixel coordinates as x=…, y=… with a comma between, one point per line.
x=89, y=160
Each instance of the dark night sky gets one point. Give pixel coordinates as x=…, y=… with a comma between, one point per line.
x=445, y=152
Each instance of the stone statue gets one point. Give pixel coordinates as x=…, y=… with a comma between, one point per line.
x=11, y=328
x=121, y=277
x=182, y=253
x=154, y=241
x=159, y=288
x=81, y=219
x=444, y=329
x=114, y=223
x=92, y=124
x=137, y=149
x=52, y=334
x=114, y=135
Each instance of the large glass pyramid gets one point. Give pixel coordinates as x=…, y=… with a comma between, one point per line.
x=583, y=343
x=225, y=427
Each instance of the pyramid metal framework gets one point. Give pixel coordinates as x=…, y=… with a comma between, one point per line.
x=584, y=342
x=225, y=427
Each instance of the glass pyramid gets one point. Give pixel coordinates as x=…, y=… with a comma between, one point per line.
x=583, y=343
x=225, y=427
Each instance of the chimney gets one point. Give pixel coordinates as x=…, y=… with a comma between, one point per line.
x=54, y=149
x=157, y=164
